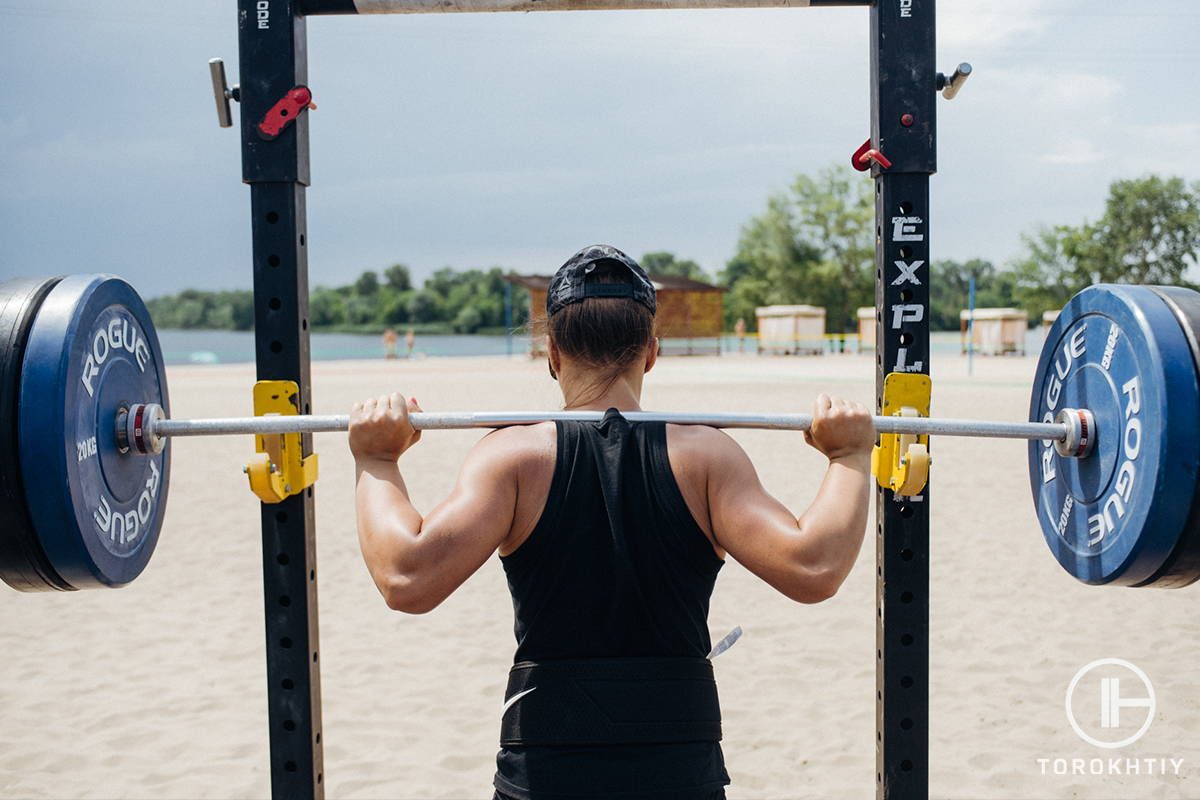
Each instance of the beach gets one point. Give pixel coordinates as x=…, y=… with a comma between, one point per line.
x=158, y=690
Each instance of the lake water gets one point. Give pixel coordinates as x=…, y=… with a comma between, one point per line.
x=237, y=347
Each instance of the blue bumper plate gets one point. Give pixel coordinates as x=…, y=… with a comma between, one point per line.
x=92, y=351
x=1115, y=516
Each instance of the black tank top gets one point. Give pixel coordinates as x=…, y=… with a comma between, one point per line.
x=616, y=567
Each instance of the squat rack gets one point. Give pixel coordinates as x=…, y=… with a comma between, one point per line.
x=901, y=154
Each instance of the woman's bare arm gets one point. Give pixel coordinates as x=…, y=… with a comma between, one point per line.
x=805, y=558
x=415, y=561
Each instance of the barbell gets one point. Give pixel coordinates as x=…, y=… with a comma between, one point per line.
x=144, y=427
x=85, y=427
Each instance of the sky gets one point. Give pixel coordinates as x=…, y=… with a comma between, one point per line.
x=479, y=140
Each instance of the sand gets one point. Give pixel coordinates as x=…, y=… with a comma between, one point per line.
x=158, y=690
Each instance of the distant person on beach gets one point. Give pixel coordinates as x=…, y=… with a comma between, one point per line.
x=739, y=328
x=611, y=535
x=410, y=341
x=389, y=343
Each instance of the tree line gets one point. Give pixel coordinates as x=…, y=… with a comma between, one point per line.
x=449, y=301
x=814, y=243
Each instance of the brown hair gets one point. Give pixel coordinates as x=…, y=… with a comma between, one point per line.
x=608, y=333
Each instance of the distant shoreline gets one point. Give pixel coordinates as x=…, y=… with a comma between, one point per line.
x=199, y=346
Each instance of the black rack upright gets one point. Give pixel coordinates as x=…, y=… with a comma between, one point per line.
x=903, y=127
x=272, y=60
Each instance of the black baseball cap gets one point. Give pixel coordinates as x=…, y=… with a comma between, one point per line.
x=570, y=283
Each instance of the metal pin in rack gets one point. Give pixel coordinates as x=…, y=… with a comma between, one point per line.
x=222, y=93
x=949, y=86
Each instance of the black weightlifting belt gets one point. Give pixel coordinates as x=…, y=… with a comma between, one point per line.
x=611, y=701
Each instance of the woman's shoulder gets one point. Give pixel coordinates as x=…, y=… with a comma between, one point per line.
x=519, y=446
x=705, y=456
x=700, y=441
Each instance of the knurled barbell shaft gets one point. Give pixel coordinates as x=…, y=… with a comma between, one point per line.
x=1052, y=431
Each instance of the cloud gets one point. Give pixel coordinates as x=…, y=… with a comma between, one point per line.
x=976, y=24
x=1185, y=133
x=1161, y=148
x=1060, y=90
x=1072, y=151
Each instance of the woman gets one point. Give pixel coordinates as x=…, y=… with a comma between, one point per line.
x=611, y=535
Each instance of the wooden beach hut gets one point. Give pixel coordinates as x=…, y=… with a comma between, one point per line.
x=997, y=331
x=791, y=330
x=689, y=318
x=866, y=327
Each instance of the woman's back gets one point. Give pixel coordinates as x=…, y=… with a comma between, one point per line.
x=615, y=569
x=616, y=566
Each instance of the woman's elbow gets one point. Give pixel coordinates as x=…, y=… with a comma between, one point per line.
x=811, y=592
x=411, y=605
x=818, y=572
x=402, y=594
x=815, y=584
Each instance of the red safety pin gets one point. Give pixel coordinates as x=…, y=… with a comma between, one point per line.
x=282, y=113
x=864, y=155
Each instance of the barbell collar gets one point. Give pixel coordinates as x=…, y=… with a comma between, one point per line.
x=137, y=429
x=1081, y=432
x=156, y=426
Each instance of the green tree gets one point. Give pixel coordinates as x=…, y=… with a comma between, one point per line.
x=664, y=263
x=813, y=244
x=442, y=282
x=835, y=213
x=744, y=291
x=772, y=264
x=360, y=311
x=1048, y=274
x=367, y=284
x=422, y=306
x=468, y=320
x=326, y=307
x=1149, y=233
x=949, y=289
x=479, y=290
x=218, y=317
x=190, y=312
x=395, y=308
x=398, y=277
x=241, y=309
